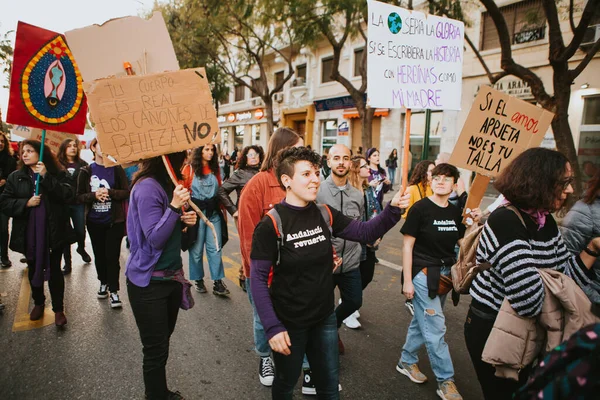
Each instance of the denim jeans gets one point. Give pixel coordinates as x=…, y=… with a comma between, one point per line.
x=350, y=285
x=428, y=327
x=215, y=261
x=106, y=243
x=392, y=175
x=320, y=344
x=261, y=344
x=155, y=308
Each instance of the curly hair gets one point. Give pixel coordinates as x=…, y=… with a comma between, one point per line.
x=197, y=159
x=49, y=160
x=242, y=161
x=534, y=179
x=419, y=175
x=287, y=159
x=62, y=151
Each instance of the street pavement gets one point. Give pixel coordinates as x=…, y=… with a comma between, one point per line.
x=98, y=354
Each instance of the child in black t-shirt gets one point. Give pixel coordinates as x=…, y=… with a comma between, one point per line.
x=297, y=309
x=432, y=229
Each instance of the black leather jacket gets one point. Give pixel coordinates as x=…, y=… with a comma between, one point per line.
x=236, y=182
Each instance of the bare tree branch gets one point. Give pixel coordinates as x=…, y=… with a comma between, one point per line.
x=555, y=39
x=586, y=18
x=574, y=73
x=492, y=78
x=571, y=10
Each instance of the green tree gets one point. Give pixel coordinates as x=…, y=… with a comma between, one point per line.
x=6, y=55
x=239, y=38
x=337, y=22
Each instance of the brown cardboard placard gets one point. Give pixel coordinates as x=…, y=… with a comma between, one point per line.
x=139, y=117
x=53, y=138
x=498, y=128
x=101, y=50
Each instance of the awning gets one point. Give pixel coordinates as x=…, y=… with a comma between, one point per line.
x=353, y=112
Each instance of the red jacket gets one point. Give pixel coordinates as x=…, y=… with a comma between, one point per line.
x=260, y=194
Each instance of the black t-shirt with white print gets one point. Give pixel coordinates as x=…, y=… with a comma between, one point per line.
x=302, y=286
x=436, y=229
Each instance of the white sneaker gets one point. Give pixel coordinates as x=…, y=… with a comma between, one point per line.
x=356, y=314
x=115, y=302
x=352, y=323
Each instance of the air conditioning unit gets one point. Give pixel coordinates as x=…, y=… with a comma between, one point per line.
x=278, y=97
x=298, y=82
x=257, y=102
x=591, y=36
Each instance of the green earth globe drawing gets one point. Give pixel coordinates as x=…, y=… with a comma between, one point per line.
x=394, y=23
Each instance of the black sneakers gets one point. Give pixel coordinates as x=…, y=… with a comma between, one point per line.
x=5, y=263
x=102, y=292
x=84, y=255
x=220, y=289
x=200, y=288
x=308, y=387
x=266, y=372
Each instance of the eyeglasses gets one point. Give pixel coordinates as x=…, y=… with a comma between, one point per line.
x=364, y=166
x=252, y=155
x=567, y=182
x=445, y=179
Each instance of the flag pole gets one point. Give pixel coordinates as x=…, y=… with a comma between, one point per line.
x=41, y=159
x=405, y=151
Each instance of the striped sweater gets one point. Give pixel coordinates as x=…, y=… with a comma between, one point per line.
x=515, y=254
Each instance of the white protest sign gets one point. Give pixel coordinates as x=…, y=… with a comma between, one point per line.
x=414, y=60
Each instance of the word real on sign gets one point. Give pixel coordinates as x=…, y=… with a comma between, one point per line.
x=414, y=60
x=140, y=117
x=498, y=129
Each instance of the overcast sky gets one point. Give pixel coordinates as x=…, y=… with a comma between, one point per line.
x=61, y=16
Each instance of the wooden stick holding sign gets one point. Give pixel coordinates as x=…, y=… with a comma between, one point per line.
x=478, y=188
x=37, y=178
x=194, y=207
x=406, y=150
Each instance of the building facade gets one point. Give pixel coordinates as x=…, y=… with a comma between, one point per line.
x=323, y=113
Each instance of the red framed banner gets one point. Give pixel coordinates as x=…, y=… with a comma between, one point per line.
x=46, y=89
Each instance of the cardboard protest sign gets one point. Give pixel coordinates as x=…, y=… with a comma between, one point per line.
x=53, y=138
x=414, y=60
x=139, y=117
x=101, y=50
x=45, y=87
x=498, y=129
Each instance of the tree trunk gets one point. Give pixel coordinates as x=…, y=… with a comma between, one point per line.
x=561, y=127
x=367, y=127
x=269, y=115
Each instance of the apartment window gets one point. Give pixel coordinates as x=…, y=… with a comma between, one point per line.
x=240, y=93
x=326, y=69
x=526, y=23
x=358, y=55
x=301, y=72
x=278, y=78
x=255, y=84
x=225, y=99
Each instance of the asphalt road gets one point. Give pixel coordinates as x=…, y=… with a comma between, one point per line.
x=98, y=355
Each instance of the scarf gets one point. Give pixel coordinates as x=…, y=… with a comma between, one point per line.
x=538, y=216
x=37, y=243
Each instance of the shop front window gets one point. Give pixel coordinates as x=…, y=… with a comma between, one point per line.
x=588, y=152
x=329, y=135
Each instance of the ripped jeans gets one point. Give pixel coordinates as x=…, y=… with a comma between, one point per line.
x=428, y=327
